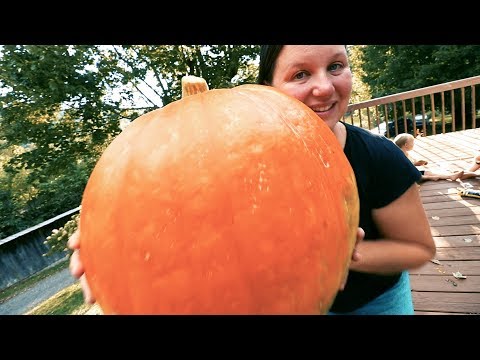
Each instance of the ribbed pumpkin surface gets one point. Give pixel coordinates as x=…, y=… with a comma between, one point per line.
x=231, y=201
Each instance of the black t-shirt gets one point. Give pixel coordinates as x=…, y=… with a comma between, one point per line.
x=383, y=174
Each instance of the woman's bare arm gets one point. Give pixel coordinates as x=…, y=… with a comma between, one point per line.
x=406, y=241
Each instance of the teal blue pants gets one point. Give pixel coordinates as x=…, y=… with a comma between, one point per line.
x=395, y=301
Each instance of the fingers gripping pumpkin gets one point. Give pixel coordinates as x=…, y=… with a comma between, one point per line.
x=228, y=201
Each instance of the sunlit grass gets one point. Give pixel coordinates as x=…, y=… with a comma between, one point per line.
x=68, y=301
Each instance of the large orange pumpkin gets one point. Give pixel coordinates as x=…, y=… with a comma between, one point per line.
x=229, y=201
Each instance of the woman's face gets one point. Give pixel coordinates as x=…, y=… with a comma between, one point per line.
x=317, y=75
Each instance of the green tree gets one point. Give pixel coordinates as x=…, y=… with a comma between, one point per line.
x=360, y=90
x=61, y=105
x=390, y=69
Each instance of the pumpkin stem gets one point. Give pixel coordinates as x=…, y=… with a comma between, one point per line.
x=192, y=85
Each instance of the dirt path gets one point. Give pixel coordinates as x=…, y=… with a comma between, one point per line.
x=39, y=292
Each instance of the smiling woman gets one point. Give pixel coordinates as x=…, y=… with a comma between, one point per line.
x=378, y=283
x=319, y=76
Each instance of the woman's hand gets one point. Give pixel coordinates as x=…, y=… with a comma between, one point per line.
x=355, y=255
x=76, y=266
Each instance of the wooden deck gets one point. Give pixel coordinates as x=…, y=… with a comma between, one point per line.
x=455, y=225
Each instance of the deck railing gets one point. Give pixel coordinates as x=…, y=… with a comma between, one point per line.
x=430, y=110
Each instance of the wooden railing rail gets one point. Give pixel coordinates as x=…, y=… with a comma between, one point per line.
x=429, y=102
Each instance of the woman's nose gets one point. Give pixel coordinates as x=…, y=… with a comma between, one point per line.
x=322, y=86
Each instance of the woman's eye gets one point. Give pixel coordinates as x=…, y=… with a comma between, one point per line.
x=335, y=67
x=300, y=75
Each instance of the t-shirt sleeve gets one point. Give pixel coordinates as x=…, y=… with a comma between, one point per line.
x=394, y=173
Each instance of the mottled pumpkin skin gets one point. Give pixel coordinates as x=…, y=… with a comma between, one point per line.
x=231, y=201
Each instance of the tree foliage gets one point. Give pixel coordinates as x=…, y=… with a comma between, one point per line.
x=61, y=105
x=360, y=91
x=390, y=69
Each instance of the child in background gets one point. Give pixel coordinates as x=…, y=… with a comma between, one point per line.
x=405, y=142
x=471, y=171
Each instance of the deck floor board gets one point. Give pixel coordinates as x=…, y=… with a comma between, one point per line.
x=455, y=225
